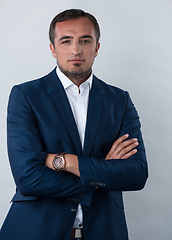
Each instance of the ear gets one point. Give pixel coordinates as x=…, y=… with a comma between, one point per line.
x=97, y=49
x=53, y=51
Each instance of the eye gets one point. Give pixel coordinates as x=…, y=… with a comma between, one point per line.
x=66, y=42
x=85, y=41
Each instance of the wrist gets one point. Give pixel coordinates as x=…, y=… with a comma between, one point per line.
x=72, y=164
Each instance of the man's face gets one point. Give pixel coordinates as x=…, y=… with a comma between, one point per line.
x=75, y=48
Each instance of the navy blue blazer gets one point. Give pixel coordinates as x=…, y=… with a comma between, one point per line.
x=40, y=121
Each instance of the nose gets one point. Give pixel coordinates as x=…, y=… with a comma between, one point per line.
x=76, y=48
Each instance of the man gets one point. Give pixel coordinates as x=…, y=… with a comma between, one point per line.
x=74, y=145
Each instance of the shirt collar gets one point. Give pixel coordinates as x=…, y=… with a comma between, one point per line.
x=66, y=82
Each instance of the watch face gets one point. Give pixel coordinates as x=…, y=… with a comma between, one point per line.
x=58, y=163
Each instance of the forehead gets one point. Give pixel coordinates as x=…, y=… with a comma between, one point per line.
x=75, y=27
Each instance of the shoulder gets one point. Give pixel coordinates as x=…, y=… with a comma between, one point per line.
x=37, y=82
x=109, y=90
x=117, y=97
x=36, y=85
x=31, y=92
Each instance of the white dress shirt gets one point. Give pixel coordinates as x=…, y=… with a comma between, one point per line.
x=78, y=99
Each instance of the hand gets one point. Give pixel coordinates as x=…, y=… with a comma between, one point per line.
x=122, y=149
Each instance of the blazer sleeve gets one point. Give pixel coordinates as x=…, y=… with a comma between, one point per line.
x=27, y=156
x=118, y=174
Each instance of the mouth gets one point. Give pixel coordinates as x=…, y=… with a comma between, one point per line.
x=76, y=60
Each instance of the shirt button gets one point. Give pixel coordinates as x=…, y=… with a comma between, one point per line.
x=73, y=210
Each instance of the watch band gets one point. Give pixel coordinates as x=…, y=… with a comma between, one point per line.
x=59, y=162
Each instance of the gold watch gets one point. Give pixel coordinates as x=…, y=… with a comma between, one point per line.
x=59, y=162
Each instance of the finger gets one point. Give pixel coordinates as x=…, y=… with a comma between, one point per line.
x=127, y=146
x=129, y=154
x=123, y=148
x=116, y=144
x=124, y=151
x=127, y=149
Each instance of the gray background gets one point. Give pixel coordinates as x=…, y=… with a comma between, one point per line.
x=136, y=55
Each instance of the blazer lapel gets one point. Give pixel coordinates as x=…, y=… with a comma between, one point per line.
x=58, y=94
x=96, y=99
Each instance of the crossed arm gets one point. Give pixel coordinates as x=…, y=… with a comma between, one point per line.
x=124, y=168
x=121, y=149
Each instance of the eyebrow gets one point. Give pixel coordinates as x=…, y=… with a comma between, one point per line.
x=69, y=37
x=64, y=37
x=86, y=36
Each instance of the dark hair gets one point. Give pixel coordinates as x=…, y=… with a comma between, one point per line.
x=71, y=14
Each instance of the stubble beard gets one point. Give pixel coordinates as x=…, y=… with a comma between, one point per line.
x=76, y=75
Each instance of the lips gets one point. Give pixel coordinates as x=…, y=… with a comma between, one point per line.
x=78, y=60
